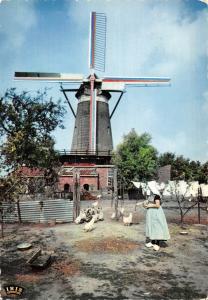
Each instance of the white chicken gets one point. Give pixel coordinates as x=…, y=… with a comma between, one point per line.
x=96, y=217
x=80, y=218
x=113, y=215
x=119, y=214
x=95, y=204
x=90, y=225
x=100, y=214
x=121, y=211
x=128, y=220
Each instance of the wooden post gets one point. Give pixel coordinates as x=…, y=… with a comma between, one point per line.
x=2, y=223
x=98, y=181
x=122, y=191
x=198, y=204
x=76, y=192
x=115, y=191
x=111, y=180
x=19, y=212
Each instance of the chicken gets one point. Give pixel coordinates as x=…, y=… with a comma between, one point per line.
x=128, y=220
x=89, y=213
x=113, y=215
x=119, y=213
x=94, y=204
x=100, y=214
x=81, y=218
x=90, y=225
x=96, y=217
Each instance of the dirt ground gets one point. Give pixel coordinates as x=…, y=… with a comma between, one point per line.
x=110, y=262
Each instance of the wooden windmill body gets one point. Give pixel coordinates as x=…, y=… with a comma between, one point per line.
x=98, y=139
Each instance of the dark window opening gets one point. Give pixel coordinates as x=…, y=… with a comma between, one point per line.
x=86, y=186
x=66, y=188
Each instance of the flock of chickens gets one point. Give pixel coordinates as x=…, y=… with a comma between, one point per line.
x=93, y=214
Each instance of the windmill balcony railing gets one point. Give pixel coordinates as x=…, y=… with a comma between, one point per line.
x=85, y=152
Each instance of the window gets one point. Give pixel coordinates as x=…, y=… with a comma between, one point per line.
x=66, y=187
x=86, y=186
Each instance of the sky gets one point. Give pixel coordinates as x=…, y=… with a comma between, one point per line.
x=152, y=38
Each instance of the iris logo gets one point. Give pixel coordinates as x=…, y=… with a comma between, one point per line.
x=14, y=290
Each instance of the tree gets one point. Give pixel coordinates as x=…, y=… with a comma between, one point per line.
x=166, y=158
x=11, y=188
x=195, y=171
x=179, y=165
x=180, y=189
x=26, y=125
x=135, y=158
x=204, y=173
x=184, y=169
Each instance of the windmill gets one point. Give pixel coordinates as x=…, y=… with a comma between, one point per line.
x=92, y=130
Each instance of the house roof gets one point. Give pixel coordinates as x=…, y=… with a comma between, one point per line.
x=31, y=172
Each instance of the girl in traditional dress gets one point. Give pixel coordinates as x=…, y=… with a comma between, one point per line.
x=156, y=224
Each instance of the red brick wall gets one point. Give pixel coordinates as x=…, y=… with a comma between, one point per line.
x=91, y=181
x=65, y=180
x=103, y=177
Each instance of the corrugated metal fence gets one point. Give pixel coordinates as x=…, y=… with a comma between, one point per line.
x=59, y=210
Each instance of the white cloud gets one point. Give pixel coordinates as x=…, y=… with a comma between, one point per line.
x=156, y=38
x=183, y=45
x=16, y=18
x=171, y=43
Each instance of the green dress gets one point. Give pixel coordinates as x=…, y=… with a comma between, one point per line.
x=156, y=224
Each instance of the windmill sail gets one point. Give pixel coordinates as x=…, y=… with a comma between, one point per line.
x=96, y=62
x=119, y=83
x=55, y=77
x=97, y=41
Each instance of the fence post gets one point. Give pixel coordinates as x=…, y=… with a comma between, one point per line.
x=19, y=212
x=2, y=223
x=76, y=192
x=198, y=204
x=115, y=191
x=98, y=181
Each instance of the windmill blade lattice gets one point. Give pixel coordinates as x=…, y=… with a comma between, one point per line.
x=97, y=41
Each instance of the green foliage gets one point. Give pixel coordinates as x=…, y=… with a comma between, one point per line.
x=11, y=187
x=204, y=173
x=135, y=158
x=184, y=169
x=26, y=124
